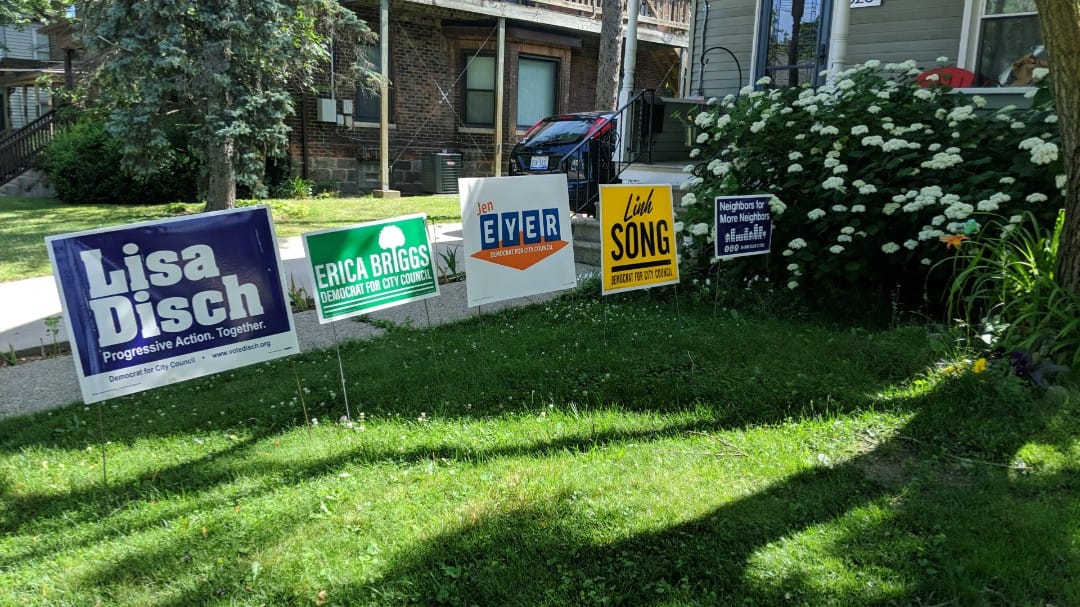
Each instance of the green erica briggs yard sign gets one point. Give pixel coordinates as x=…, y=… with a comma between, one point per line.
x=370, y=266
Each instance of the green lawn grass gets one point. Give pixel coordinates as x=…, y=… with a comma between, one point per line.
x=25, y=222
x=628, y=451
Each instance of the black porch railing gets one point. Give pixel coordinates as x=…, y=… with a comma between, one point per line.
x=19, y=149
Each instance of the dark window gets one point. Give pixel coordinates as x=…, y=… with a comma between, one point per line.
x=537, y=89
x=479, y=95
x=793, y=41
x=367, y=93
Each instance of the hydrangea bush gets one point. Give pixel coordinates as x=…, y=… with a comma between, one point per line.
x=876, y=178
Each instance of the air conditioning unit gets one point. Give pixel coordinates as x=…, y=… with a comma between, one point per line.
x=439, y=173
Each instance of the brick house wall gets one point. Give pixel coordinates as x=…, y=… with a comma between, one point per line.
x=428, y=51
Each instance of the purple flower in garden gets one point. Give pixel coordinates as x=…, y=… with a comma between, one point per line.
x=1021, y=363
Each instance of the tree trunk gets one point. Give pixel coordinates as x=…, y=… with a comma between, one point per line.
x=609, y=63
x=221, y=189
x=1060, y=22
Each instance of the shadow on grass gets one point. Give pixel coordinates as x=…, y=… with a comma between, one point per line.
x=917, y=526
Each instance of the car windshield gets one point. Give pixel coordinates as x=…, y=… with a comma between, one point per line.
x=559, y=132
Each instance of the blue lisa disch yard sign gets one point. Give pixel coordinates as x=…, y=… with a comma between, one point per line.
x=155, y=303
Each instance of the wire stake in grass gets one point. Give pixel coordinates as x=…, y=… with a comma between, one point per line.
x=300, y=393
x=341, y=372
x=101, y=437
x=434, y=355
x=716, y=289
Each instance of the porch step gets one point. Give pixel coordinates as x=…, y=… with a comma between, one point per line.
x=586, y=232
x=31, y=183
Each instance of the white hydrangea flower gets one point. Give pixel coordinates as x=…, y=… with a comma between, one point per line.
x=1016, y=219
x=890, y=208
x=777, y=206
x=788, y=253
x=1036, y=197
x=757, y=126
x=702, y=137
x=830, y=162
x=943, y=60
x=925, y=261
x=889, y=248
x=959, y=211
x=838, y=208
x=792, y=267
x=923, y=94
x=1059, y=181
x=797, y=244
x=694, y=153
x=723, y=121
x=1039, y=73
x=868, y=188
x=978, y=101
x=833, y=183
x=795, y=168
x=1051, y=119
x=858, y=208
x=986, y=206
x=830, y=130
x=843, y=238
x=836, y=249
x=699, y=229
x=815, y=214
x=840, y=169
x=845, y=84
x=688, y=199
x=937, y=220
x=678, y=227
x=873, y=109
x=910, y=244
x=860, y=129
x=794, y=155
x=847, y=230
x=704, y=119
x=792, y=284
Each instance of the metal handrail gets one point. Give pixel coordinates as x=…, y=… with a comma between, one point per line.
x=19, y=149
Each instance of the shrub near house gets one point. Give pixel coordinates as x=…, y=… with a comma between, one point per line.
x=881, y=178
x=84, y=163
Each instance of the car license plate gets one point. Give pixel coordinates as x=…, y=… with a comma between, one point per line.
x=538, y=163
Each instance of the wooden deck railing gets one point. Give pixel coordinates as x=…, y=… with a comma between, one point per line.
x=20, y=148
x=668, y=13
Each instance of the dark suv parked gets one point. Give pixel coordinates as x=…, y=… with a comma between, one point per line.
x=580, y=145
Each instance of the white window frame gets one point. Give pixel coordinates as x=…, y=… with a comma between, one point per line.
x=969, y=47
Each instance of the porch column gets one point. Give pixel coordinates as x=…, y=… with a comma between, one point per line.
x=500, y=77
x=384, y=190
x=838, y=37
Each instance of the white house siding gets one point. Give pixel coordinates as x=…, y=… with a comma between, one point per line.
x=899, y=30
x=22, y=104
x=730, y=25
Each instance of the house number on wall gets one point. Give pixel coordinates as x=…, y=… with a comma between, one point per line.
x=864, y=3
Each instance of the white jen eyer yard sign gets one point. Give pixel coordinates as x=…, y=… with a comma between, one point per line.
x=517, y=239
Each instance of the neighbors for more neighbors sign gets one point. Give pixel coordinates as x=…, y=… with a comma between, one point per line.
x=159, y=302
x=370, y=266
